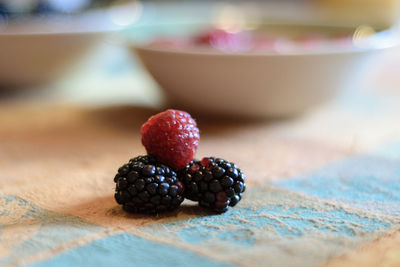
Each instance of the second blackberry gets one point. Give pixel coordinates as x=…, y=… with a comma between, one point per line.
x=213, y=182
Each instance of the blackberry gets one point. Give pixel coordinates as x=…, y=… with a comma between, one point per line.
x=214, y=183
x=146, y=186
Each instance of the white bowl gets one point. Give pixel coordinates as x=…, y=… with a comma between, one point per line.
x=34, y=50
x=34, y=59
x=257, y=84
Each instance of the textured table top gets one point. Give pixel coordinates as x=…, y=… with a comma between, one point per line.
x=323, y=188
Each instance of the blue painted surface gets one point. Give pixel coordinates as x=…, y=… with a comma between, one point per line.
x=361, y=102
x=28, y=229
x=307, y=220
x=128, y=250
x=366, y=182
x=389, y=151
x=235, y=227
x=276, y=213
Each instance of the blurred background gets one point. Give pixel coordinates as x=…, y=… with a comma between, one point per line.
x=84, y=52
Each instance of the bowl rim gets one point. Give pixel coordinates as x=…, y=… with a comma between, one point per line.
x=338, y=50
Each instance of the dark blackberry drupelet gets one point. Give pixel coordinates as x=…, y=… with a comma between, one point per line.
x=146, y=186
x=214, y=183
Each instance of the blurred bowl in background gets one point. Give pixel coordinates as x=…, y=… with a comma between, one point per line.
x=256, y=83
x=39, y=49
x=34, y=59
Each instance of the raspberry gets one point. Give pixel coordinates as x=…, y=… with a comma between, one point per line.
x=146, y=186
x=172, y=137
x=215, y=183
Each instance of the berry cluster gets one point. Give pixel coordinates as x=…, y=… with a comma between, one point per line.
x=160, y=181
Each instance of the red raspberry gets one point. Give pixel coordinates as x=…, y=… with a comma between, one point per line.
x=172, y=137
x=224, y=40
